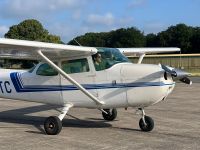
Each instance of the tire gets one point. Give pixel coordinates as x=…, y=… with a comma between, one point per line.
x=52, y=125
x=149, y=124
x=112, y=114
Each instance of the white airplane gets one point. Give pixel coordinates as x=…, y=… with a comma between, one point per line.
x=87, y=77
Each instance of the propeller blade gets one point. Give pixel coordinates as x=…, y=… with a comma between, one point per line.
x=168, y=70
x=178, y=74
x=186, y=80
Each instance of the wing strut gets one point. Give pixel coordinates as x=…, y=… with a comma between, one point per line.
x=71, y=80
x=141, y=58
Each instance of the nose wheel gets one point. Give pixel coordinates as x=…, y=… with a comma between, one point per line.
x=146, y=123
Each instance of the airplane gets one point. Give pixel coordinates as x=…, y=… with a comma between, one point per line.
x=68, y=76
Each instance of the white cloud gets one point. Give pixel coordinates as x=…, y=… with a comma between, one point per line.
x=95, y=19
x=37, y=8
x=154, y=27
x=136, y=3
x=107, y=20
x=66, y=31
x=3, y=30
x=65, y=18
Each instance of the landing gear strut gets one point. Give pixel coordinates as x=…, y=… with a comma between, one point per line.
x=53, y=124
x=109, y=114
x=146, y=123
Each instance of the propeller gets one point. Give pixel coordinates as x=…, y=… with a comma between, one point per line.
x=178, y=74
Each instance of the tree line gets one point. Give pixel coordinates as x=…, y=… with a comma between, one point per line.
x=185, y=37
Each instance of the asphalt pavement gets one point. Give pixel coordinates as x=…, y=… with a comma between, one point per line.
x=177, y=126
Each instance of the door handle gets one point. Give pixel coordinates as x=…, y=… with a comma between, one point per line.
x=114, y=82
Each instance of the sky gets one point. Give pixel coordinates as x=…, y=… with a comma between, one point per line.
x=71, y=18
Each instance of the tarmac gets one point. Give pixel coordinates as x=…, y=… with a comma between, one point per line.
x=177, y=126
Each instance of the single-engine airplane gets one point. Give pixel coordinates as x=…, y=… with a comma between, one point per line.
x=88, y=77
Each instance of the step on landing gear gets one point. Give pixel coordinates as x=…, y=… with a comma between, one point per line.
x=53, y=124
x=146, y=123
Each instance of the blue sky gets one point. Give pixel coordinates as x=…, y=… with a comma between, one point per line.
x=70, y=18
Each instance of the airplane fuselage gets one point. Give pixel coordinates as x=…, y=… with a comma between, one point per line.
x=122, y=85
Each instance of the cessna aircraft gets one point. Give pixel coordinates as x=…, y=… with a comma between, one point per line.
x=87, y=77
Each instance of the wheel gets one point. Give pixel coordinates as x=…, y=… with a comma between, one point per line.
x=112, y=114
x=52, y=125
x=149, y=124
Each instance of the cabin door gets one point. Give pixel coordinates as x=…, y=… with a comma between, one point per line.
x=80, y=71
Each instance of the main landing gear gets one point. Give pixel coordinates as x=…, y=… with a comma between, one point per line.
x=109, y=114
x=53, y=124
x=146, y=123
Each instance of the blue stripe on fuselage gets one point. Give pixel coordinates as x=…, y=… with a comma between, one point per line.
x=19, y=87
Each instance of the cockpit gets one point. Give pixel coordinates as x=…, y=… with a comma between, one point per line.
x=107, y=57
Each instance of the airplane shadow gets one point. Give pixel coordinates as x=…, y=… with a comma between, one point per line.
x=20, y=116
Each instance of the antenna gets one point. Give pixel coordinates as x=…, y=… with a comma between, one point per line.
x=77, y=42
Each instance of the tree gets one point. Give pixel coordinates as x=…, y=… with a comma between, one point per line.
x=177, y=36
x=185, y=37
x=152, y=40
x=90, y=39
x=130, y=37
x=31, y=30
x=195, y=40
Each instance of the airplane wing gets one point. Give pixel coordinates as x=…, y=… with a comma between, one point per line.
x=141, y=52
x=131, y=51
x=21, y=49
x=10, y=48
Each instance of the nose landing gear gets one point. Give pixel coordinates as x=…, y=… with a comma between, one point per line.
x=146, y=123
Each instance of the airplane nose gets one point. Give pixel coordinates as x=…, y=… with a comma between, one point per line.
x=178, y=74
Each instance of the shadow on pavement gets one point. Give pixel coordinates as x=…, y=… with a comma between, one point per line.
x=20, y=116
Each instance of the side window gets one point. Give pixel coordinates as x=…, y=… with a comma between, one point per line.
x=75, y=66
x=46, y=70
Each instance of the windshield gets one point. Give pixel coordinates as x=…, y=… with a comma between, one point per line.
x=107, y=57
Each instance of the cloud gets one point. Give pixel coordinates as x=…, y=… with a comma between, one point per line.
x=95, y=19
x=136, y=3
x=38, y=8
x=154, y=27
x=107, y=20
x=65, y=18
x=66, y=31
x=3, y=30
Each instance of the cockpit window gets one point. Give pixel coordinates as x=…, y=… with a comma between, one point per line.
x=75, y=66
x=107, y=57
x=32, y=69
x=46, y=70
